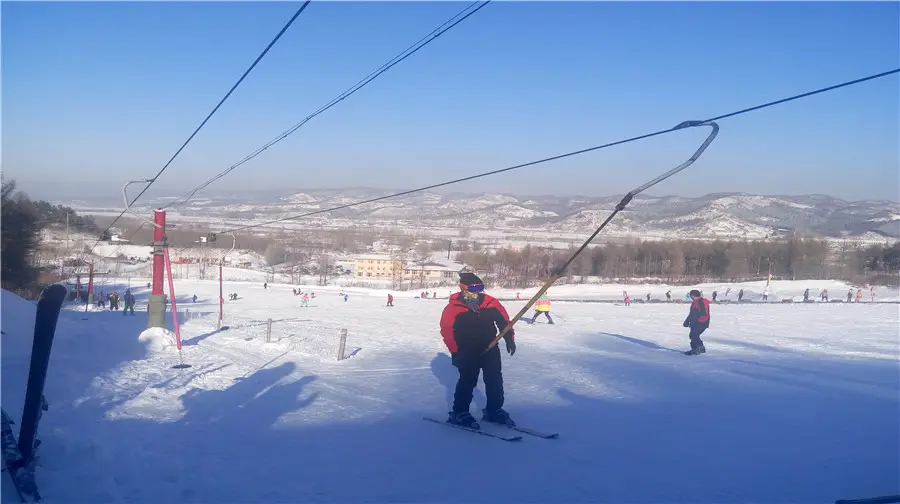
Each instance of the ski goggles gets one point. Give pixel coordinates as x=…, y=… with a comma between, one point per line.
x=473, y=287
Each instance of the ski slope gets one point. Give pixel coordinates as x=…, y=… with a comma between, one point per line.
x=792, y=403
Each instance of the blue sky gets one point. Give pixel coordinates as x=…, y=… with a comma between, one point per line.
x=95, y=94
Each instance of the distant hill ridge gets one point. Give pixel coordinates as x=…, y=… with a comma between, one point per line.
x=726, y=215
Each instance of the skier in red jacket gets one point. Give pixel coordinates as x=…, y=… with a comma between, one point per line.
x=698, y=321
x=470, y=321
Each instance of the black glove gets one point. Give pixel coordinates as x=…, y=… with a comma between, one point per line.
x=456, y=359
x=510, y=347
x=686, y=323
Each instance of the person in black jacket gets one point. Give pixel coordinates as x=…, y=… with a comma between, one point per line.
x=469, y=322
x=698, y=321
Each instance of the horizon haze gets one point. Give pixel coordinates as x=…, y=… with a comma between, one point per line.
x=96, y=94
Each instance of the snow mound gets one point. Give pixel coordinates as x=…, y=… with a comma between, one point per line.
x=157, y=339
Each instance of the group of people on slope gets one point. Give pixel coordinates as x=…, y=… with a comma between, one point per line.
x=113, y=299
x=471, y=324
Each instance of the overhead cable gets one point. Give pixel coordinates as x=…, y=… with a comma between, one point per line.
x=571, y=153
x=409, y=51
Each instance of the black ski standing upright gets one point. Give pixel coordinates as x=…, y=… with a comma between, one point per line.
x=21, y=458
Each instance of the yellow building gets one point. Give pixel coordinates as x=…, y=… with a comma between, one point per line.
x=377, y=266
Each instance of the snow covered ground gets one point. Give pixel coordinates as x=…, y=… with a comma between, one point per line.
x=792, y=403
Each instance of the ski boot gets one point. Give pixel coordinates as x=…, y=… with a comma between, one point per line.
x=499, y=416
x=464, y=419
x=696, y=350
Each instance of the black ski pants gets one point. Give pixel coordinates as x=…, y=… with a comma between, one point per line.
x=469, y=368
x=538, y=313
x=696, y=331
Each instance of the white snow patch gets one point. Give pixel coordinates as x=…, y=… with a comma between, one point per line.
x=158, y=339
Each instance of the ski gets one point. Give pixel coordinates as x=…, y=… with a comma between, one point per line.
x=20, y=457
x=45, y=320
x=475, y=431
x=21, y=473
x=532, y=432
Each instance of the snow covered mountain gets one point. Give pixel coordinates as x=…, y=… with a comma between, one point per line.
x=724, y=215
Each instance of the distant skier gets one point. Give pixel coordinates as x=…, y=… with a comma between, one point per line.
x=698, y=321
x=872, y=293
x=668, y=296
x=740, y=295
x=727, y=291
x=434, y=295
x=129, y=302
x=114, y=301
x=648, y=297
x=390, y=300
x=766, y=294
x=824, y=295
x=265, y=285
x=627, y=299
x=806, y=295
x=469, y=323
x=194, y=298
x=858, y=295
x=346, y=297
x=714, y=295
x=101, y=300
x=542, y=306
x=304, y=301
x=850, y=296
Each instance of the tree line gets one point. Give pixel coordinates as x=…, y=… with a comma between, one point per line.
x=21, y=222
x=683, y=262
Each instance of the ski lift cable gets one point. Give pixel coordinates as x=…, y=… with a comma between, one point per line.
x=560, y=271
x=214, y=110
x=409, y=51
x=572, y=153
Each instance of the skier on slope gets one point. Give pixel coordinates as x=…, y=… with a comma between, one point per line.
x=304, y=301
x=129, y=302
x=390, y=300
x=469, y=323
x=542, y=306
x=698, y=321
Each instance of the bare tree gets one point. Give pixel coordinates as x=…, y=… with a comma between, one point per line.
x=274, y=255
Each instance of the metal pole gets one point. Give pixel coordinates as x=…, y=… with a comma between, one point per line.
x=90, y=298
x=221, y=296
x=156, y=312
x=343, y=344
x=168, y=264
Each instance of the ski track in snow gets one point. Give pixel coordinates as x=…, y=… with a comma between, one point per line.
x=793, y=403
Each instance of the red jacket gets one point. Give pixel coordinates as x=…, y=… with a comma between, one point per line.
x=470, y=330
x=699, y=313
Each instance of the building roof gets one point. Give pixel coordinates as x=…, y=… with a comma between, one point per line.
x=374, y=257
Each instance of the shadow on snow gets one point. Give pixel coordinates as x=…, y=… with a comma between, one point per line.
x=684, y=432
